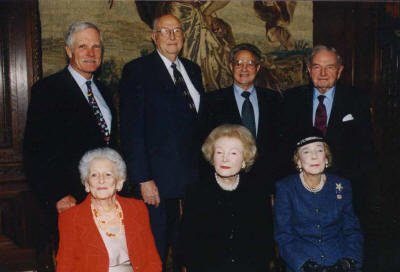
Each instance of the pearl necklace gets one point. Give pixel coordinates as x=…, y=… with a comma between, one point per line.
x=224, y=185
x=101, y=221
x=315, y=189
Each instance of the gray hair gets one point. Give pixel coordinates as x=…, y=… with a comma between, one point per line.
x=321, y=47
x=101, y=153
x=78, y=26
x=248, y=47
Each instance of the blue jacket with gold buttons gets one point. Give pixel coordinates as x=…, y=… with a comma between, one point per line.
x=318, y=226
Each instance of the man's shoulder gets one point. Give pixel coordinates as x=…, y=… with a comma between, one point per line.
x=221, y=92
x=142, y=61
x=218, y=96
x=54, y=82
x=297, y=91
x=349, y=91
x=268, y=93
x=55, y=78
x=189, y=63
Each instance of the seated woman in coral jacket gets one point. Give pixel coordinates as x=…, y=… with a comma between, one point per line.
x=106, y=232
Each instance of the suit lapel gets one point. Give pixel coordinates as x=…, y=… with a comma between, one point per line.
x=133, y=229
x=263, y=116
x=309, y=93
x=89, y=233
x=162, y=73
x=196, y=79
x=78, y=99
x=233, y=110
x=338, y=107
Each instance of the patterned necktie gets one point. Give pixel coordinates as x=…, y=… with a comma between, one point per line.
x=321, y=116
x=182, y=88
x=96, y=111
x=248, y=119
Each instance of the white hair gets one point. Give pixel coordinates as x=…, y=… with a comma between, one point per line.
x=101, y=153
x=78, y=26
x=322, y=47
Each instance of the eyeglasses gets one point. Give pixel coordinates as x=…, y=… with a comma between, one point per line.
x=166, y=32
x=251, y=64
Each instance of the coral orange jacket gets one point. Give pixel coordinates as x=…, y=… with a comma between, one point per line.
x=82, y=248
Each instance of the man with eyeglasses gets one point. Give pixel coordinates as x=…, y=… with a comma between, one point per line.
x=253, y=107
x=160, y=100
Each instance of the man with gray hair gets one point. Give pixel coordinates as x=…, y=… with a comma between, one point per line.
x=70, y=112
x=341, y=114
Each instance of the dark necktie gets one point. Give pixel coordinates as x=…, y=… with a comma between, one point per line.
x=321, y=116
x=96, y=111
x=182, y=88
x=248, y=119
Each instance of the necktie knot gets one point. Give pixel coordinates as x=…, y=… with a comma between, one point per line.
x=246, y=94
x=321, y=98
x=89, y=86
x=173, y=65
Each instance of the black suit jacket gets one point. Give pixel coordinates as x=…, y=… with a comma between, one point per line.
x=60, y=128
x=159, y=133
x=219, y=226
x=220, y=108
x=350, y=141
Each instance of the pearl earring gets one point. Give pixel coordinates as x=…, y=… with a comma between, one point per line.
x=87, y=188
x=243, y=165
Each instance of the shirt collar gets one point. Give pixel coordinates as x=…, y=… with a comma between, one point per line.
x=81, y=80
x=328, y=94
x=167, y=62
x=239, y=90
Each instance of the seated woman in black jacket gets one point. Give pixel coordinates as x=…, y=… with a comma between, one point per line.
x=226, y=221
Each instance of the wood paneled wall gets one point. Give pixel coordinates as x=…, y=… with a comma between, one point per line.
x=20, y=67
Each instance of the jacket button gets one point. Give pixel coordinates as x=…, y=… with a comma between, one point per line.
x=318, y=226
x=317, y=210
x=319, y=241
x=322, y=256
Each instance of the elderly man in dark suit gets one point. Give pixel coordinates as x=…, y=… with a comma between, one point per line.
x=70, y=112
x=160, y=100
x=254, y=107
x=340, y=113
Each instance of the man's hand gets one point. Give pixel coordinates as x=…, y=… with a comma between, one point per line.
x=65, y=203
x=150, y=193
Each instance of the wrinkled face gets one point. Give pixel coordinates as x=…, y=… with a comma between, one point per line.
x=85, y=54
x=312, y=158
x=103, y=179
x=228, y=156
x=168, y=41
x=324, y=70
x=244, y=69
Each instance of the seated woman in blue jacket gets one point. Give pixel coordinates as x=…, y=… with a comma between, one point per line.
x=315, y=225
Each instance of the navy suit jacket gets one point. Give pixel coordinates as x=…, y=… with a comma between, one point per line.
x=318, y=226
x=60, y=128
x=220, y=108
x=159, y=133
x=350, y=141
